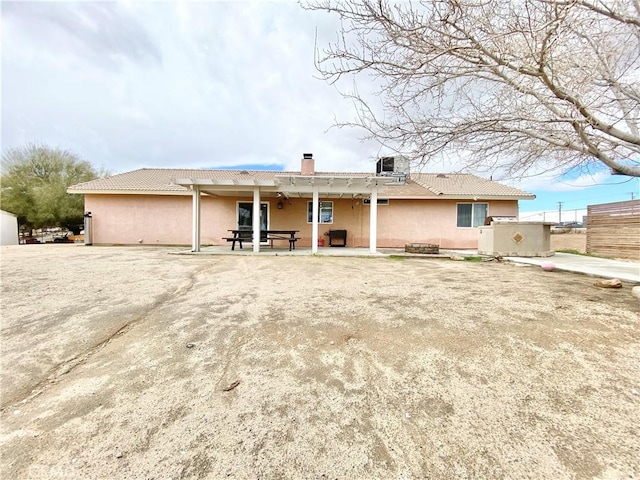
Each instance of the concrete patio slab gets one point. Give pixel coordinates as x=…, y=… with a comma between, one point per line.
x=595, y=266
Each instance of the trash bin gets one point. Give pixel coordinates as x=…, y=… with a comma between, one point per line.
x=88, y=240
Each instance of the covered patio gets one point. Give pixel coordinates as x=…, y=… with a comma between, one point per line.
x=287, y=186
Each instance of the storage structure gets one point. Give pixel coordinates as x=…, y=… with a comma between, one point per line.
x=8, y=228
x=506, y=237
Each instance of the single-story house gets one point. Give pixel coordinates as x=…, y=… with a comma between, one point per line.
x=385, y=209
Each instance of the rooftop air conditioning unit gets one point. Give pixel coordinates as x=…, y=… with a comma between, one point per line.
x=391, y=166
x=395, y=167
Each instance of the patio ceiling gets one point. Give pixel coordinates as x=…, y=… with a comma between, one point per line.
x=288, y=185
x=229, y=187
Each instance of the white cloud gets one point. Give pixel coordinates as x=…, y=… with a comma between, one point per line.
x=174, y=84
x=557, y=183
x=185, y=84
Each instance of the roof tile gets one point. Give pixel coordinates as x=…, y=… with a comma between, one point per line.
x=418, y=184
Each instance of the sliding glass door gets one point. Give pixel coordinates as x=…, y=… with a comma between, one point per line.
x=245, y=216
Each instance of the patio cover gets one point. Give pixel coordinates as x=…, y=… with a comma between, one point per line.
x=289, y=185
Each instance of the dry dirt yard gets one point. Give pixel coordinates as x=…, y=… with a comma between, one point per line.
x=120, y=363
x=569, y=241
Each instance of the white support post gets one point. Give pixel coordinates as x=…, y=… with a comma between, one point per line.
x=373, y=220
x=195, y=221
x=314, y=226
x=256, y=219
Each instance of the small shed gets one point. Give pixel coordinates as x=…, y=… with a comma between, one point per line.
x=506, y=237
x=9, y=228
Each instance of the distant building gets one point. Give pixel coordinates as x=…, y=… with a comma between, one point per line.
x=9, y=225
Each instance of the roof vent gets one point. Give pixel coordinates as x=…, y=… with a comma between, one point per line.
x=441, y=175
x=244, y=172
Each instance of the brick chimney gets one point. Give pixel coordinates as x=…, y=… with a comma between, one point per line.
x=307, y=166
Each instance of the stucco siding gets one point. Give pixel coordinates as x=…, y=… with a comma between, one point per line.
x=404, y=221
x=166, y=220
x=147, y=219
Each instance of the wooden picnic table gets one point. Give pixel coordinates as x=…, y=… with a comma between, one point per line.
x=242, y=235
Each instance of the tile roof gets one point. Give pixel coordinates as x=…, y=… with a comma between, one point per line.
x=421, y=185
x=454, y=184
x=410, y=189
x=161, y=179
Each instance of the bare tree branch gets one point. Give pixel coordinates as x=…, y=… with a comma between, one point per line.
x=513, y=84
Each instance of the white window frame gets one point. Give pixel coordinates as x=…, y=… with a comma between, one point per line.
x=473, y=213
x=320, y=206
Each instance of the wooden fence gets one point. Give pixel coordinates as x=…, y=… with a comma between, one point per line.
x=613, y=230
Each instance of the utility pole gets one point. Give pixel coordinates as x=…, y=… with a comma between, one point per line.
x=560, y=211
x=632, y=195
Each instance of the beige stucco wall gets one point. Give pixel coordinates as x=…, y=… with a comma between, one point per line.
x=526, y=239
x=166, y=220
x=126, y=219
x=435, y=221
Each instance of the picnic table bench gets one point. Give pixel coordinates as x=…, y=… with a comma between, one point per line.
x=239, y=236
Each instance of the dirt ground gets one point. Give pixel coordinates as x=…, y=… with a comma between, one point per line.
x=131, y=363
x=569, y=241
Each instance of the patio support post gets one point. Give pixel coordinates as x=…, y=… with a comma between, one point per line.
x=195, y=223
x=256, y=219
x=373, y=220
x=314, y=225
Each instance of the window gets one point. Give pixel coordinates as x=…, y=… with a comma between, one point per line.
x=325, y=212
x=472, y=214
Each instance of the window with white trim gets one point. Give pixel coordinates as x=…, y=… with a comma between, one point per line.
x=325, y=212
x=472, y=214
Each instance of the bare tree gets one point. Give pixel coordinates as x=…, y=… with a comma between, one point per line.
x=521, y=86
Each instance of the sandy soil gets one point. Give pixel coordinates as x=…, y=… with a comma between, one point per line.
x=569, y=241
x=115, y=363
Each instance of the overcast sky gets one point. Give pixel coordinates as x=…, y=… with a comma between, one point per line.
x=188, y=84
x=199, y=85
